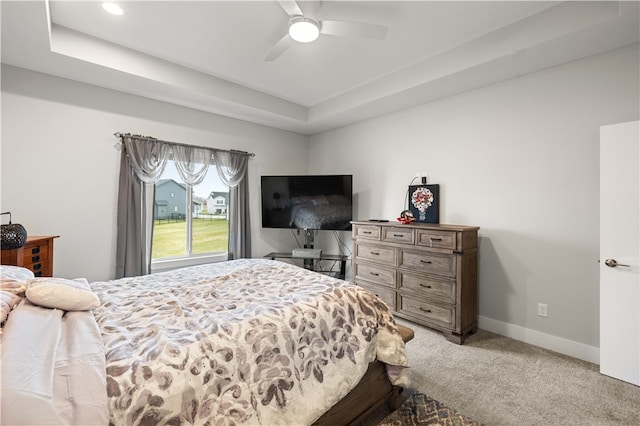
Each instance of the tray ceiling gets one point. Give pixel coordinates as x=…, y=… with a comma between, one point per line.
x=209, y=55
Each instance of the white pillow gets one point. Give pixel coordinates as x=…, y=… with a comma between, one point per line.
x=60, y=293
x=18, y=273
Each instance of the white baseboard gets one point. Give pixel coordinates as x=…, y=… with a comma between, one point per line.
x=547, y=341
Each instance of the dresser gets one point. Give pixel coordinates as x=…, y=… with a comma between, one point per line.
x=36, y=255
x=426, y=273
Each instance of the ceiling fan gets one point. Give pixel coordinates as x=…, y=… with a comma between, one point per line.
x=305, y=28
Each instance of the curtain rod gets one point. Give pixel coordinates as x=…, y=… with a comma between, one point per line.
x=149, y=138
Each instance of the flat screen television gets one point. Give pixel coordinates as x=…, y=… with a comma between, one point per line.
x=307, y=202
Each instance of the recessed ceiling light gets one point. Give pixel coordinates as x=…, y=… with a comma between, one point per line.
x=112, y=8
x=304, y=29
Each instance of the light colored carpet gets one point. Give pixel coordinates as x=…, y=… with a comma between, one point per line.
x=496, y=380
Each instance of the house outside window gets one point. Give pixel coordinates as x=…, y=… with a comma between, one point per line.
x=179, y=232
x=217, y=203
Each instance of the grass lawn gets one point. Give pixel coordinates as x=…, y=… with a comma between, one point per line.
x=209, y=235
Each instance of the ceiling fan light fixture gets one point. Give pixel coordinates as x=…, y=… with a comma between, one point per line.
x=304, y=30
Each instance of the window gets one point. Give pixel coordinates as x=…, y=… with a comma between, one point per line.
x=186, y=232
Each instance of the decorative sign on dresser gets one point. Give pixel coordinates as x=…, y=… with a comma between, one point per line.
x=36, y=255
x=426, y=273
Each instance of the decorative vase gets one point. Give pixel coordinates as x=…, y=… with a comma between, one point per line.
x=13, y=235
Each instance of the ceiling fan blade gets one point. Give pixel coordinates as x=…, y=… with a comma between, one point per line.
x=283, y=44
x=354, y=29
x=291, y=7
x=311, y=8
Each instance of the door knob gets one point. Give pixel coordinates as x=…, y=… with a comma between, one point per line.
x=612, y=263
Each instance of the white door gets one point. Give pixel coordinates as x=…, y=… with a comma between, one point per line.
x=619, y=251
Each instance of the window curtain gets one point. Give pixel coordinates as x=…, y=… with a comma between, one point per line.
x=232, y=169
x=141, y=164
x=187, y=159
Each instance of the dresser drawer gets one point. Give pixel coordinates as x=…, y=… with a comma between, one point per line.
x=423, y=285
x=423, y=310
x=35, y=254
x=398, y=235
x=39, y=269
x=365, y=231
x=374, y=273
x=436, y=239
x=388, y=295
x=375, y=253
x=428, y=262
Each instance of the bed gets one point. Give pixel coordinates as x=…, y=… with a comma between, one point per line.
x=250, y=341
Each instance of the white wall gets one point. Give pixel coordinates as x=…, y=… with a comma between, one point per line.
x=520, y=160
x=60, y=170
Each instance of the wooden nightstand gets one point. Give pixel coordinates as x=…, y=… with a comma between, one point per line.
x=36, y=255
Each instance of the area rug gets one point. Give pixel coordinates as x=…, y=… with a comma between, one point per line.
x=419, y=409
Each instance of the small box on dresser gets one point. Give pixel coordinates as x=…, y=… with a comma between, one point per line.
x=36, y=255
x=426, y=273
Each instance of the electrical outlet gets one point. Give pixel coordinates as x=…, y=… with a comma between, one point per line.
x=542, y=310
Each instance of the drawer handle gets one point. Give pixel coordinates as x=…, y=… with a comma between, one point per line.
x=35, y=250
x=375, y=253
x=35, y=258
x=375, y=274
x=425, y=310
x=398, y=235
x=366, y=232
x=38, y=273
x=432, y=239
x=37, y=266
x=425, y=261
x=425, y=285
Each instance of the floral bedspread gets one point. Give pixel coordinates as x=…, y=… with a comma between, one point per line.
x=249, y=341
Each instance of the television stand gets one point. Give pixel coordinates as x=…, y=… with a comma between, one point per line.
x=309, y=237
x=309, y=261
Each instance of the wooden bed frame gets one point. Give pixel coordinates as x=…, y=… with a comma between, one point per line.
x=373, y=390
